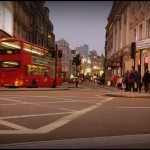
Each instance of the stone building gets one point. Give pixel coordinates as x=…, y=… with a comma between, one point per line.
x=63, y=45
x=83, y=50
x=128, y=27
x=6, y=19
x=31, y=23
x=27, y=20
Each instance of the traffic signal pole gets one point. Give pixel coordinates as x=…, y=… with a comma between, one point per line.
x=55, y=80
x=76, y=73
x=76, y=61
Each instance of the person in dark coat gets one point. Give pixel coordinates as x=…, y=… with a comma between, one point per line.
x=146, y=81
x=131, y=80
x=137, y=82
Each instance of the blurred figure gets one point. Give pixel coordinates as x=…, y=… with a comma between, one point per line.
x=137, y=82
x=119, y=83
x=126, y=81
x=131, y=80
x=146, y=81
x=115, y=81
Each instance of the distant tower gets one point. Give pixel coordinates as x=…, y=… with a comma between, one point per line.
x=82, y=50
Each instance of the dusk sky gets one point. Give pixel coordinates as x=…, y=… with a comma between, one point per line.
x=80, y=22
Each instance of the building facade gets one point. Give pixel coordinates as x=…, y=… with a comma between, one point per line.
x=128, y=26
x=26, y=20
x=63, y=45
x=83, y=50
x=6, y=19
x=31, y=23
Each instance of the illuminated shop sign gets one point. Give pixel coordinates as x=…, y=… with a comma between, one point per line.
x=44, y=62
x=41, y=61
x=143, y=44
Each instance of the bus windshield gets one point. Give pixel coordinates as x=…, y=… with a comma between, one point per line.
x=9, y=64
x=9, y=48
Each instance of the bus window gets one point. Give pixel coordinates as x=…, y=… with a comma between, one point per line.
x=9, y=51
x=9, y=64
x=29, y=70
x=46, y=72
x=33, y=49
x=10, y=45
x=37, y=70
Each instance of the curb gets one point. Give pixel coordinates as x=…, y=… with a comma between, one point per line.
x=51, y=89
x=127, y=96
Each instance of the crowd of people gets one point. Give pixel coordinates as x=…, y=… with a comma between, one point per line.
x=132, y=81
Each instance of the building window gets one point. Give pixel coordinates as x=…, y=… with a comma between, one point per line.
x=141, y=32
x=134, y=35
x=148, y=27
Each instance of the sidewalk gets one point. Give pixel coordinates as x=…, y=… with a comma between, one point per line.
x=121, y=93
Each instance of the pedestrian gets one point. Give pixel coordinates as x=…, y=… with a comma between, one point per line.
x=131, y=80
x=146, y=81
x=115, y=81
x=137, y=82
x=126, y=81
x=119, y=83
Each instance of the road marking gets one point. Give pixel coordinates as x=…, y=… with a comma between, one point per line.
x=133, y=107
x=66, y=119
x=54, y=125
x=34, y=115
x=11, y=100
x=15, y=126
x=26, y=96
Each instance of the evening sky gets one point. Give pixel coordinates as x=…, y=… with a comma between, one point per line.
x=80, y=22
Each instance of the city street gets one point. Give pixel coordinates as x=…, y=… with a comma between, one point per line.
x=79, y=117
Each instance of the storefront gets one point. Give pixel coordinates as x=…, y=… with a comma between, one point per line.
x=142, y=57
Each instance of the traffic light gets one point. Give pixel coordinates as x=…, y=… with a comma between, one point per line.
x=121, y=61
x=60, y=53
x=133, y=49
x=53, y=54
x=74, y=61
x=51, y=48
x=52, y=51
x=78, y=62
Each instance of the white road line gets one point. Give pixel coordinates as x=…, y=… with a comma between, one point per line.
x=133, y=107
x=11, y=100
x=56, y=124
x=35, y=115
x=12, y=125
x=66, y=119
x=10, y=104
x=26, y=96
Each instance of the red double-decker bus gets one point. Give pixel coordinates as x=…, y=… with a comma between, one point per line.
x=23, y=64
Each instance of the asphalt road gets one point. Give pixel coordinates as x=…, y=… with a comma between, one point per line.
x=76, y=118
